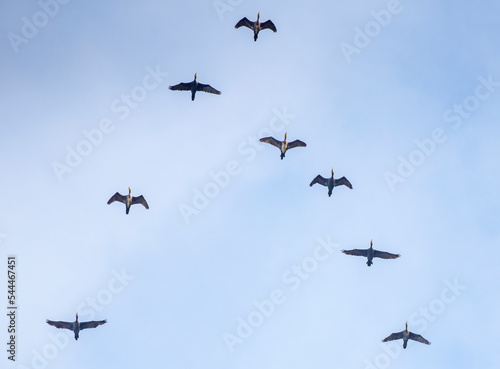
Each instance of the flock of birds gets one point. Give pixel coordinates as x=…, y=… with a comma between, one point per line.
x=283, y=146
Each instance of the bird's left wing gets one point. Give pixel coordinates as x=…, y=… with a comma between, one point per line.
x=92, y=324
x=58, y=324
x=268, y=25
x=419, y=338
x=296, y=143
x=116, y=197
x=207, y=88
x=319, y=179
x=394, y=336
x=271, y=141
x=181, y=87
x=244, y=22
x=384, y=255
x=343, y=181
x=140, y=200
x=356, y=252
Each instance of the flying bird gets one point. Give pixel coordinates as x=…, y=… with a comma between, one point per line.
x=76, y=326
x=283, y=145
x=193, y=87
x=331, y=183
x=371, y=253
x=406, y=335
x=256, y=26
x=129, y=200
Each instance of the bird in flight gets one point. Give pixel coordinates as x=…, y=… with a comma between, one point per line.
x=76, y=326
x=193, y=87
x=256, y=26
x=371, y=253
x=406, y=335
x=331, y=182
x=283, y=145
x=128, y=200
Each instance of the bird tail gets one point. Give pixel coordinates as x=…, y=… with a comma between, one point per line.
x=369, y=262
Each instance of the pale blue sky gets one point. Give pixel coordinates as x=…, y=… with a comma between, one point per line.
x=191, y=282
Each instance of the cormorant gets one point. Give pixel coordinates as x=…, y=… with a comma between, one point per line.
x=128, y=200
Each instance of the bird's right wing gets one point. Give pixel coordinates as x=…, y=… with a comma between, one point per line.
x=92, y=324
x=296, y=143
x=268, y=25
x=207, y=88
x=272, y=141
x=321, y=180
x=117, y=197
x=356, y=252
x=419, y=338
x=181, y=87
x=384, y=255
x=65, y=325
x=343, y=181
x=140, y=200
x=394, y=336
x=244, y=22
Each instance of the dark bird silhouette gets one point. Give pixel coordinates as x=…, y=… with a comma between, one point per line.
x=193, y=87
x=331, y=182
x=256, y=26
x=76, y=326
x=371, y=253
x=406, y=335
x=128, y=200
x=283, y=145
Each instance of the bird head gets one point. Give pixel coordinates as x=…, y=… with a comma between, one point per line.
x=332, y=172
x=406, y=325
x=285, y=136
x=129, y=190
x=195, y=75
x=371, y=242
x=258, y=15
x=76, y=316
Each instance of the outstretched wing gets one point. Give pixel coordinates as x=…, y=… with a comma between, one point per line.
x=140, y=200
x=296, y=143
x=244, y=22
x=419, y=338
x=321, y=180
x=268, y=25
x=181, y=87
x=65, y=325
x=342, y=181
x=92, y=324
x=117, y=197
x=356, y=252
x=394, y=336
x=272, y=141
x=207, y=88
x=384, y=255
